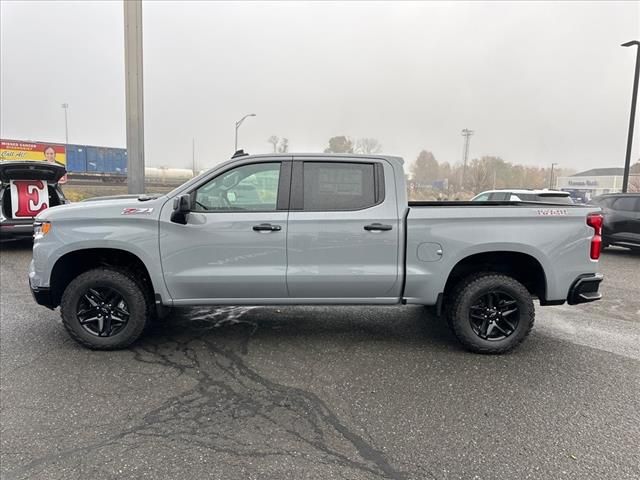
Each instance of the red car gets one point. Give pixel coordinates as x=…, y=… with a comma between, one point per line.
x=26, y=189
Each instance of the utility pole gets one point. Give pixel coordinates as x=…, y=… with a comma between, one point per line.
x=466, y=133
x=65, y=106
x=238, y=123
x=551, y=176
x=134, y=94
x=632, y=117
x=193, y=156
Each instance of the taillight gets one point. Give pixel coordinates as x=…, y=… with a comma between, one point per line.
x=594, y=220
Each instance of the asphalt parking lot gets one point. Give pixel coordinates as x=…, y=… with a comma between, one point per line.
x=319, y=393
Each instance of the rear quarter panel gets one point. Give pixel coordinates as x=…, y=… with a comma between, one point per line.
x=557, y=237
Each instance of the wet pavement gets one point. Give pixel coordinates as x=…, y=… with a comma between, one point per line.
x=322, y=393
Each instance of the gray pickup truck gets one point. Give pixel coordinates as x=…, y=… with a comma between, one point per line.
x=311, y=229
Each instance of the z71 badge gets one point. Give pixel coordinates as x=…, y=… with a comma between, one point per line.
x=553, y=212
x=137, y=211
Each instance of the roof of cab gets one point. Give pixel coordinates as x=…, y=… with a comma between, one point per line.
x=324, y=156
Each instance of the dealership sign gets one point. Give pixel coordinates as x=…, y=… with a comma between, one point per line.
x=588, y=183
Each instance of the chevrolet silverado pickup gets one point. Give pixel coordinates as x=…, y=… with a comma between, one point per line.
x=312, y=229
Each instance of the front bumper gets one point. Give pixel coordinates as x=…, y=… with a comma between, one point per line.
x=585, y=289
x=42, y=296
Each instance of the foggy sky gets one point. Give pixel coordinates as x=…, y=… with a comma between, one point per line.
x=538, y=82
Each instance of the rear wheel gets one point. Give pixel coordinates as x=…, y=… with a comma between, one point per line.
x=104, y=309
x=491, y=313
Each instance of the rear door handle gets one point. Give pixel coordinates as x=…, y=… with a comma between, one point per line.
x=377, y=227
x=267, y=227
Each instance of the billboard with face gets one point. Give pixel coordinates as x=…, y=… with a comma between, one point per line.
x=21, y=150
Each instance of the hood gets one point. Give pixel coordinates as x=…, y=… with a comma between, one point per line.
x=141, y=197
x=31, y=170
x=105, y=209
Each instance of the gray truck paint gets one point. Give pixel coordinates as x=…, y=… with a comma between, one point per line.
x=316, y=257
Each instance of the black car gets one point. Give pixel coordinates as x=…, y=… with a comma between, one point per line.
x=621, y=219
x=27, y=188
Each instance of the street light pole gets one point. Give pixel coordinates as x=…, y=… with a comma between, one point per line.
x=551, y=176
x=238, y=123
x=65, y=106
x=632, y=117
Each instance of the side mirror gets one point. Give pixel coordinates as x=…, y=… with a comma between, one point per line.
x=181, y=207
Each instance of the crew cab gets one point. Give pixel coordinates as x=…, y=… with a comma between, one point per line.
x=26, y=189
x=312, y=229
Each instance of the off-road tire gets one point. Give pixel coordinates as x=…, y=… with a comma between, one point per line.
x=460, y=302
x=128, y=286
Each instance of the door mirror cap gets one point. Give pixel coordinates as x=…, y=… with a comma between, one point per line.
x=181, y=207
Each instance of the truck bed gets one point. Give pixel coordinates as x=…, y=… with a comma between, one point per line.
x=556, y=236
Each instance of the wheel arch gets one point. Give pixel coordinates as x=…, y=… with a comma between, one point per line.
x=76, y=262
x=524, y=267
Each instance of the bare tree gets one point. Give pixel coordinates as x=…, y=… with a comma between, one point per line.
x=634, y=178
x=368, y=145
x=273, y=140
x=284, y=145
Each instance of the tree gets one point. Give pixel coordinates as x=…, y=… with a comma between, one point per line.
x=273, y=140
x=634, y=178
x=284, y=146
x=425, y=169
x=340, y=144
x=368, y=145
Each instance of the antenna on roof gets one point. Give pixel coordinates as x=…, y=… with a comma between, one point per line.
x=240, y=153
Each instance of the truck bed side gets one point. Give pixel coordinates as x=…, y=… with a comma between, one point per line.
x=442, y=235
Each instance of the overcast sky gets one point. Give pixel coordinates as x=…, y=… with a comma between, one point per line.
x=538, y=82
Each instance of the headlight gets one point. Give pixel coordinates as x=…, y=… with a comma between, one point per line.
x=40, y=229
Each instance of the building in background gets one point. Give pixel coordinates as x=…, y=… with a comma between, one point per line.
x=597, y=181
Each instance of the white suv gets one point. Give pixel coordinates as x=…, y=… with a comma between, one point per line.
x=543, y=196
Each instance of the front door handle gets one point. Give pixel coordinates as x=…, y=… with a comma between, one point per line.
x=377, y=227
x=267, y=227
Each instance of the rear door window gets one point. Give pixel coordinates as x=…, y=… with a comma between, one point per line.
x=545, y=198
x=332, y=186
x=499, y=196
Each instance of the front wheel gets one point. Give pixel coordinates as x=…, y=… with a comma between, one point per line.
x=104, y=309
x=491, y=313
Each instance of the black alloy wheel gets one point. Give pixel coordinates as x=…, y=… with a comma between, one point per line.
x=494, y=315
x=106, y=308
x=102, y=311
x=490, y=312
